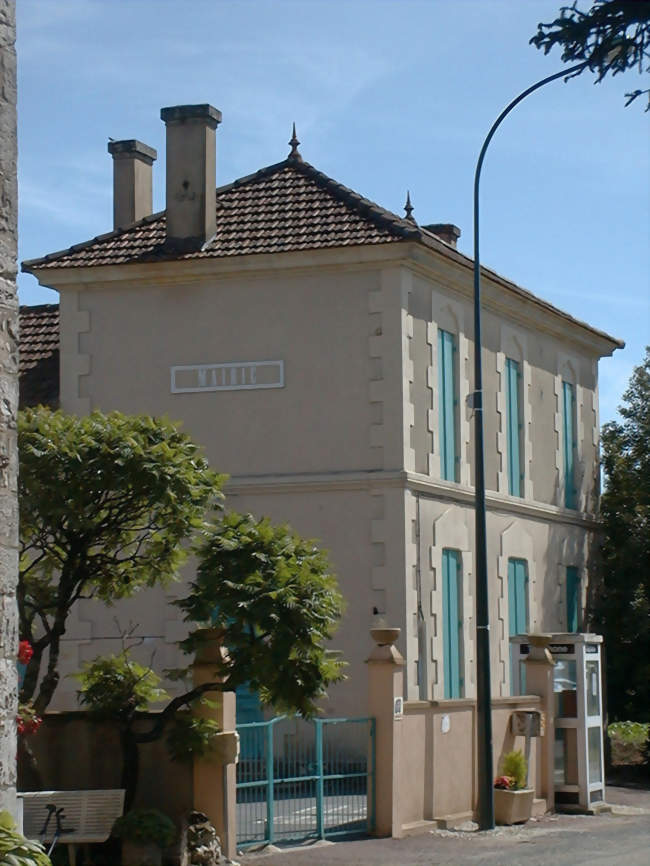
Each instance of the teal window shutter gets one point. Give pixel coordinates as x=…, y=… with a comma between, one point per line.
x=568, y=421
x=448, y=405
x=517, y=603
x=513, y=426
x=452, y=594
x=572, y=598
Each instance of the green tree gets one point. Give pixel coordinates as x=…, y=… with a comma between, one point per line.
x=271, y=600
x=612, y=35
x=273, y=597
x=106, y=502
x=622, y=606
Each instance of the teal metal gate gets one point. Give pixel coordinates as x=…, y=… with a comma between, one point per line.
x=298, y=779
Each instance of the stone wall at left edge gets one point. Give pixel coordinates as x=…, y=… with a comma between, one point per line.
x=8, y=406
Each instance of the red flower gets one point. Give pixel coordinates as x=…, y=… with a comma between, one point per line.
x=25, y=652
x=504, y=782
x=27, y=721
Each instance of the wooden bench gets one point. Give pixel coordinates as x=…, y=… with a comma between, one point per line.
x=90, y=816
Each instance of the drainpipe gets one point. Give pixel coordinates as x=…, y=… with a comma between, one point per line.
x=423, y=655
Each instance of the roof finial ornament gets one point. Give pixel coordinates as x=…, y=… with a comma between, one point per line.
x=408, y=207
x=295, y=153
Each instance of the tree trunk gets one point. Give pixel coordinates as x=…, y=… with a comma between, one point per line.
x=8, y=409
x=29, y=774
x=130, y=766
x=51, y=679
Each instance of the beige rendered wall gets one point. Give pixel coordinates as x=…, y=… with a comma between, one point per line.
x=439, y=514
x=347, y=451
x=437, y=745
x=303, y=454
x=317, y=325
x=545, y=361
x=547, y=545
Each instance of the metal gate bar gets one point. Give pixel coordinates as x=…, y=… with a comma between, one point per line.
x=298, y=779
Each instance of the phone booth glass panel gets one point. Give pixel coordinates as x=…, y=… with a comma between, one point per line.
x=578, y=745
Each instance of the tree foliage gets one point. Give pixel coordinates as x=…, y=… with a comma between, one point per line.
x=116, y=686
x=622, y=609
x=15, y=849
x=611, y=36
x=106, y=502
x=272, y=596
x=271, y=601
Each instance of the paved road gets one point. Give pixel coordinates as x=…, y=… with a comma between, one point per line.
x=296, y=816
x=622, y=838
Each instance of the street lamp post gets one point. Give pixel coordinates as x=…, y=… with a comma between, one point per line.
x=483, y=688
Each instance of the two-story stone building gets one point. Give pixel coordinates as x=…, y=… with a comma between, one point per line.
x=320, y=348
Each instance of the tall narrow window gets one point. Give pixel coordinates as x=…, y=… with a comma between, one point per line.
x=572, y=598
x=513, y=378
x=517, y=607
x=448, y=405
x=569, y=434
x=452, y=627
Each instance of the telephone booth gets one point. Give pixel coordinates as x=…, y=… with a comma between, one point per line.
x=579, y=777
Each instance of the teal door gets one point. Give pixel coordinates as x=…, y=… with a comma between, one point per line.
x=452, y=624
x=517, y=607
x=248, y=705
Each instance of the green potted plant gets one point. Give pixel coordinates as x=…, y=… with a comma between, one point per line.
x=144, y=834
x=15, y=850
x=513, y=799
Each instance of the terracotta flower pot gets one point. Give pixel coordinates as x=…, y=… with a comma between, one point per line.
x=513, y=807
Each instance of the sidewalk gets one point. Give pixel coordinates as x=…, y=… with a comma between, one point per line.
x=620, y=837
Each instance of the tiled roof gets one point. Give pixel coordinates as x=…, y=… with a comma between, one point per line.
x=285, y=207
x=39, y=355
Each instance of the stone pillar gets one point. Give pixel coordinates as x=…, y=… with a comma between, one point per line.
x=214, y=775
x=385, y=685
x=539, y=681
x=8, y=408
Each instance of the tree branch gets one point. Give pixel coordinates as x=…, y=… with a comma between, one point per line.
x=181, y=701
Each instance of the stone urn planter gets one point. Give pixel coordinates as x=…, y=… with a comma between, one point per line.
x=141, y=854
x=384, y=636
x=144, y=834
x=513, y=807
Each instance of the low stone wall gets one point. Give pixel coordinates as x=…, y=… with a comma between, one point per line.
x=74, y=752
x=436, y=744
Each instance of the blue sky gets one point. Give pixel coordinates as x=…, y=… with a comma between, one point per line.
x=387, y=95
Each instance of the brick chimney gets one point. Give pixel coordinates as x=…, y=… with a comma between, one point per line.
x=132, y=196
x=191, y=174
x=447, y=232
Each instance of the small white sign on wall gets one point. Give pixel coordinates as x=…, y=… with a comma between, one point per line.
x=233, y=376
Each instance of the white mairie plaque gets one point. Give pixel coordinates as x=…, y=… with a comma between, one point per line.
x=235, y=376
